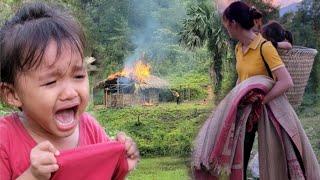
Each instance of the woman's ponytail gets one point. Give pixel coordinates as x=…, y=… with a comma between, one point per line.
x=289, y=36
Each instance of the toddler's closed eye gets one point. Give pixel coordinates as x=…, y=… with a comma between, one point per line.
x=79, y=76
x=49, y=83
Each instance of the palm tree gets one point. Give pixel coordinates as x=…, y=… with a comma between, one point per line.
x=203, y=27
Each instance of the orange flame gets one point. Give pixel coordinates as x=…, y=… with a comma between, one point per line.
x=139, y=72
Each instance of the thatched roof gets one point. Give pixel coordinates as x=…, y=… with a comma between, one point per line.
x=148, y=83
x=100, y=84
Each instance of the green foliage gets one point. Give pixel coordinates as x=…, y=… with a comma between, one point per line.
x=193, y=82
x=108, y=32
x=167, y=129
x=4, y=109
x=7, y=8
x=189, y=72
x=310, y=106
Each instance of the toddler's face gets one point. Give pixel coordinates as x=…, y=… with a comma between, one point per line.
x=55, y=94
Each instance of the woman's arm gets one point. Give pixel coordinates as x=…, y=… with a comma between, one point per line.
x=283, y=83
x=284, y=45
x=238, y=81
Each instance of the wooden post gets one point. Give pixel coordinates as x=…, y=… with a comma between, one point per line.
x=105, y=96
x=180, y=93
x=117, y=96
x=122, y=97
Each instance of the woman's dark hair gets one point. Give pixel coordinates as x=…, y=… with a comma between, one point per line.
x=274, y=32
x=256, y=14
x=242, y=14
x=24, y=38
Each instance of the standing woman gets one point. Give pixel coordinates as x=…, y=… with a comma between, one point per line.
x=238, y=19
x=223, y=144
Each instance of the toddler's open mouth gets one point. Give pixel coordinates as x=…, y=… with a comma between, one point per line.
x=66, y=118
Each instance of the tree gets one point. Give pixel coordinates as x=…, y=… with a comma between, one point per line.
x=108, y=31
x=203, y=27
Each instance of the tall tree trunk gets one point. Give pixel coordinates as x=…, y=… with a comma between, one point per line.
x=215, y=72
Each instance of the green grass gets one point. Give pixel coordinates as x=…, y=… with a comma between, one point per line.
x=312, y=129
x=161, y=168
x=310, y=120
x=163, y=130
x=309, y=114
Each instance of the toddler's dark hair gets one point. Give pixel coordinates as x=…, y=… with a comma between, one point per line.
x=274, y=32
x=24, y=38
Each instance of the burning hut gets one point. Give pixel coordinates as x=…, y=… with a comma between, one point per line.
x=132, y=86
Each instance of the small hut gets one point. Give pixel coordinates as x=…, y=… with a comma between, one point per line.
x=120, y=91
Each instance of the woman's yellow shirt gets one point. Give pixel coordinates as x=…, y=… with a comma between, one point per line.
x=251, y=63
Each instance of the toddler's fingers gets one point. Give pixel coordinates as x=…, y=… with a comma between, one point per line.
x=128, y=143
x=47, y=146
x=47, y=158
x=121, y=136
x=48, y=168
x=132, y=149
x=135, y=155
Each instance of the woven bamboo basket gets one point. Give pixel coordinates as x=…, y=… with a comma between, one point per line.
x=298, y=61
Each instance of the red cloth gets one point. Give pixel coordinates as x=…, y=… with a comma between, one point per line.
x=16, y=143
x=99, y=161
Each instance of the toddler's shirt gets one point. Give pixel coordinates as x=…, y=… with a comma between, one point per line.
x=16, y=144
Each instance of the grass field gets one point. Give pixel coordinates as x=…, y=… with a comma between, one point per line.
x=167, y=129
x=161, y=168
x=166, y=168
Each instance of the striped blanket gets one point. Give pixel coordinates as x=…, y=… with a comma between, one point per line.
x=284, y=149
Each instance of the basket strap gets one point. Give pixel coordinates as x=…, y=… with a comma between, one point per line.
x=265, y=63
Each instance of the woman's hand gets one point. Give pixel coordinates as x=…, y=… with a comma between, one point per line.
x=283, y=83
x=131, y=148
x=42, y=162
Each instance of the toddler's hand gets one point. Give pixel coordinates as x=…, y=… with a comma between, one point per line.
x=131, y=148
x=43, y=161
